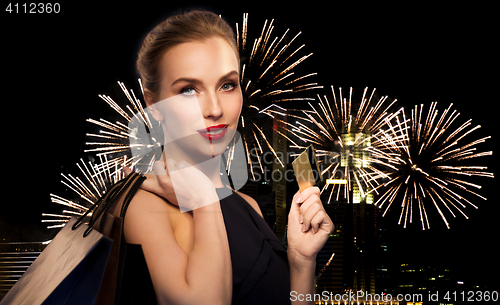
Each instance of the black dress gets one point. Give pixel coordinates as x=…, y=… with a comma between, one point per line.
x=259, y=261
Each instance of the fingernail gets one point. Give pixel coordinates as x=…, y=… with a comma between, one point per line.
x=314, y=232
x=303, y=228
x=301, y=218
x=299, y=199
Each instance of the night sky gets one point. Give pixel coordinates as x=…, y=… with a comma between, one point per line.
x=55, y=65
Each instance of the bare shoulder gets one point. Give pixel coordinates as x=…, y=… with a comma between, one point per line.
x=146, y=214
x=251, y=201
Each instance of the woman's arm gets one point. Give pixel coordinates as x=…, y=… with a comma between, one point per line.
x=178, y=277
x=301, y=278
x=309, y=227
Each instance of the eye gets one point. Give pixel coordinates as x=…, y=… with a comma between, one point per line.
x=227, y=87
x=188, y=91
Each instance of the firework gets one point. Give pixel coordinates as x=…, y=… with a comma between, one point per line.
x=324, y=267
x=129, y=141
x=268, y=77
x=351, y=139
x=96, y=180
x=435, y=165
x=134, y=139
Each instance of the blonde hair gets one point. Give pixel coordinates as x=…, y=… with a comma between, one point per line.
x=186, y=27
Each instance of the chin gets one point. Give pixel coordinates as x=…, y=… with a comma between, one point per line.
x=220, y=146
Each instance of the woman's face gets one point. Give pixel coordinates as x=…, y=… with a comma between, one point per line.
x=200, y=99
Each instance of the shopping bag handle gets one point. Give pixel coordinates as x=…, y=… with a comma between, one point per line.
x=107, y=200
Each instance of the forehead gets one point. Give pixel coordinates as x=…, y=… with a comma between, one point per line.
x=204, y=60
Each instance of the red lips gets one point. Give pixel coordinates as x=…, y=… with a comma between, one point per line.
x=214, y=133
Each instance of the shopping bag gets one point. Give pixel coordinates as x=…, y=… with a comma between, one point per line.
x=68, y=271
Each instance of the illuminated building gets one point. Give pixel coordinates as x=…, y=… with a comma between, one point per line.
x=361, y=259
x=279, y=185
x=333, y=277
x=362, y=246
x=421, y=277
x=355, y=154
x=361, y=254
x=15, y=258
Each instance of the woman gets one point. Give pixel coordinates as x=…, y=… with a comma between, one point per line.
x=202, y=247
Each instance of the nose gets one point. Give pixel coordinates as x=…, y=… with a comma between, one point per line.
x=211, y=108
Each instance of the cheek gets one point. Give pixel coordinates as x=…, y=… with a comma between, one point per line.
x=179, y=117
x=232, y=110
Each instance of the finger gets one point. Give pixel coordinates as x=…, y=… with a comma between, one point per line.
x=307, y=203
x=295, y=204
x=311, y=200
x=294, y=216
x=172, y=165
x=296, y=197
x=317, y=221
x=127, y=170
x=312, y=210
x=323, y=222
x=159, y=168
x=302, y=196
x=150, y=184
x=183, y=164
x=304, y=206
x=156, y=179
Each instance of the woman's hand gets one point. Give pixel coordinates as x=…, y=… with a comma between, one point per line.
x=175, y=181
x=158, y=182
x=309, y=226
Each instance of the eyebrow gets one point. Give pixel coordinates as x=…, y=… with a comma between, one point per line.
x=197, y=81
